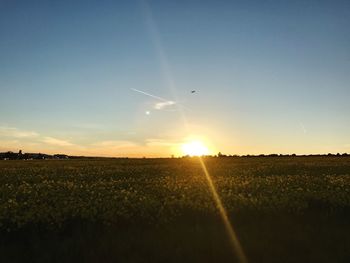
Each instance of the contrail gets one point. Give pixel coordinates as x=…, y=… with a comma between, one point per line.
x=150, y=95
x=164, y=102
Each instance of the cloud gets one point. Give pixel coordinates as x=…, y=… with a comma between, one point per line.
x=124, y=144
x=16, y=133
x=150, y=147
x=54, y=141
x=117, y=144
x=8, y=144
x=159, y=105
x=88, y=126
x=112, y=148
x=163, y=104
x=13, y=139
x=161, y=143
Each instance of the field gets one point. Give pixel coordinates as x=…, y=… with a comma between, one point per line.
x=284, y=209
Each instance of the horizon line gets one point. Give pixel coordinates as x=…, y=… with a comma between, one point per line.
x=173, y=156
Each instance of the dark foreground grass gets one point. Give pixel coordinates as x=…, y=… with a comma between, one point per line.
x=283, y=210
x=265, y=238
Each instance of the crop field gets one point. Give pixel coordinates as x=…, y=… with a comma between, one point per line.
x=283, y=209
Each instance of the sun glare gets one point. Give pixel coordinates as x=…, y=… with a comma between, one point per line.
x=194, y=148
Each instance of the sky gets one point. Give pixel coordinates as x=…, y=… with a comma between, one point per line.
x=115, y=78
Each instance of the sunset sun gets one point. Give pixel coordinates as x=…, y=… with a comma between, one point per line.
x=194, y=148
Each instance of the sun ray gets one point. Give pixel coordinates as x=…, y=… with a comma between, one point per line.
x=236, y=245
x=171, y=85
x=163, y=58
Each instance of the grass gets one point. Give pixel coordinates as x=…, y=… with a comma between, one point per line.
x=284, y=209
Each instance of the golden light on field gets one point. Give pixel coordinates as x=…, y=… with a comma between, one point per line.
x=194, y=148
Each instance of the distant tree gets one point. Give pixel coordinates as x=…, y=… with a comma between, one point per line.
x=221, y=155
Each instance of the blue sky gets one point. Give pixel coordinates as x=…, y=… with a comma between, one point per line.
x=270, y=76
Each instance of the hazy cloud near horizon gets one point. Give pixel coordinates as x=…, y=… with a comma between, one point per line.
x=18, y=140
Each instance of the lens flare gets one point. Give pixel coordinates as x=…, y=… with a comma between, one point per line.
x=193, y=148
x=223, y=213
